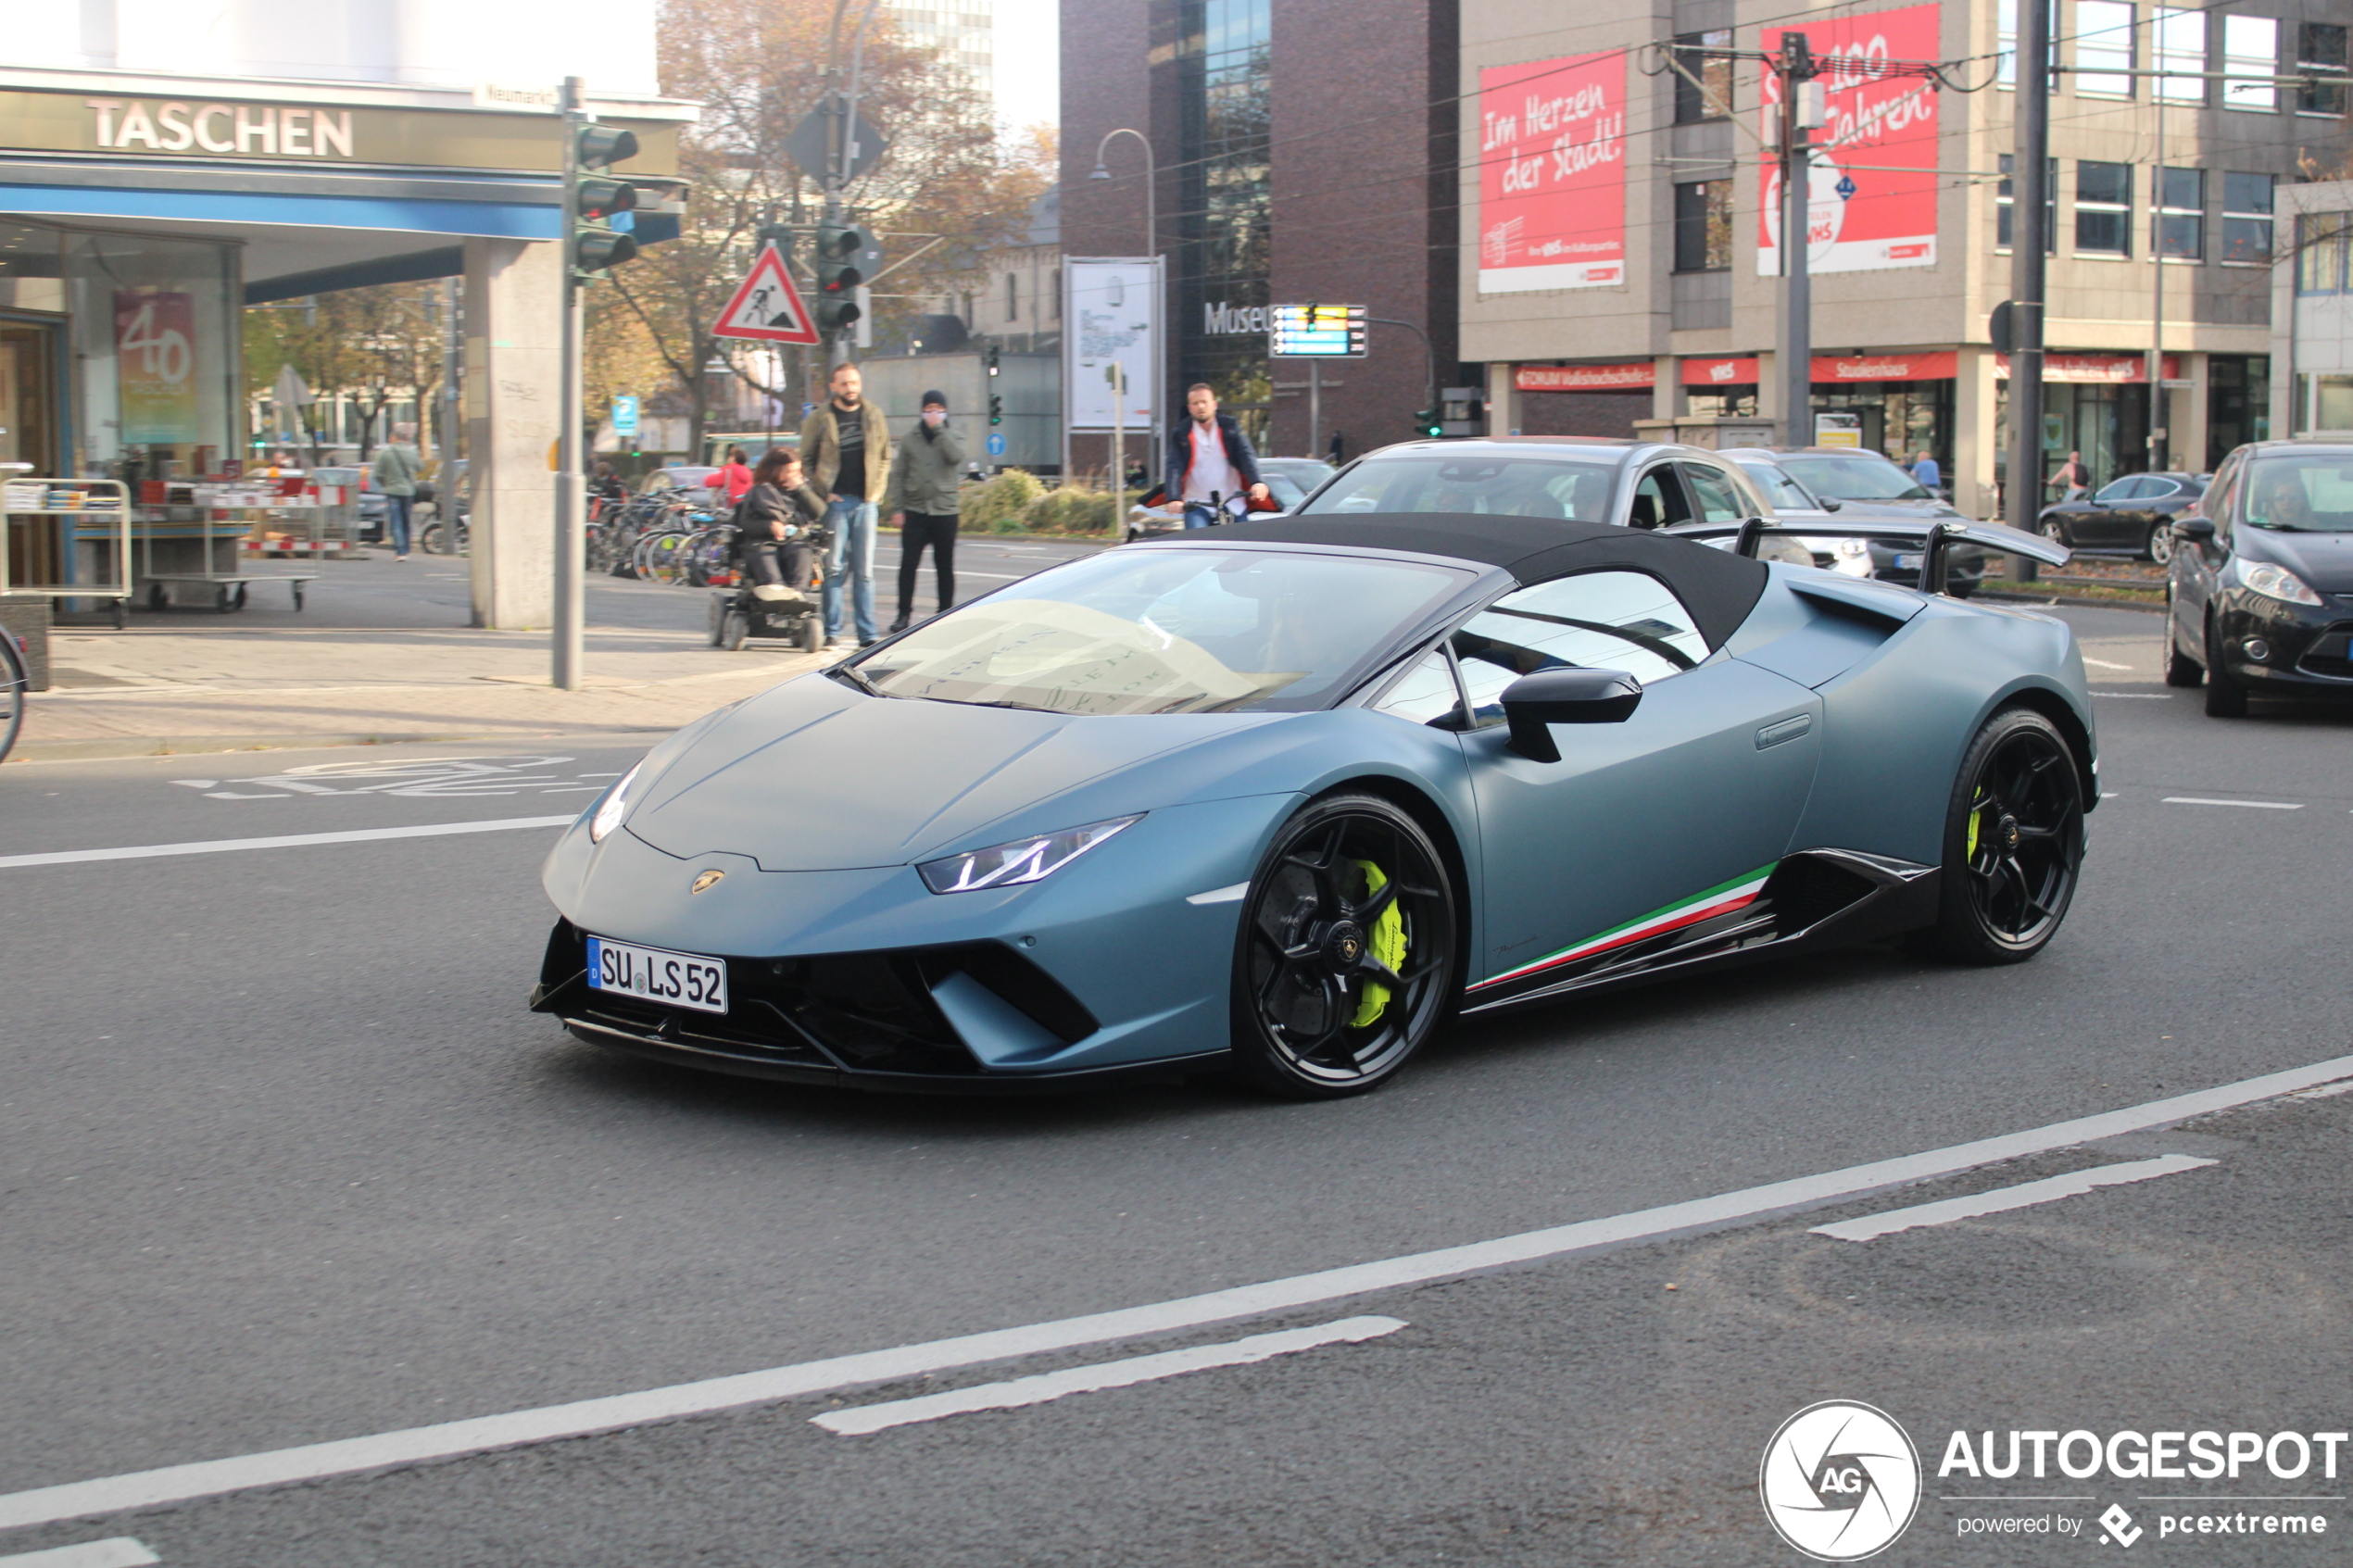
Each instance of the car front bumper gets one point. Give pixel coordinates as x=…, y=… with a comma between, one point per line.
x=2305, y=650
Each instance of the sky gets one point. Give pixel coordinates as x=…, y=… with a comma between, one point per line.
x=1028, y=61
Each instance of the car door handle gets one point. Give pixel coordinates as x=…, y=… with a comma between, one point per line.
x=1782, y=729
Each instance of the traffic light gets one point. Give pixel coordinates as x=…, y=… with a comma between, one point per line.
x=995, y=404
x=1427, y=421
x=989, y=360
x=601, y=206
x=837, y=275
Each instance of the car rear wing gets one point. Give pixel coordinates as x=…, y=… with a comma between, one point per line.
x=1935, y=537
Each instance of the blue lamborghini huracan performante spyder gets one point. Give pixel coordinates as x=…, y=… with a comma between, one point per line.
x=1286, y=798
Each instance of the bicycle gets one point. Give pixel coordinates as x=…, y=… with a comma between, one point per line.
x=660, y=557
x=16, y=683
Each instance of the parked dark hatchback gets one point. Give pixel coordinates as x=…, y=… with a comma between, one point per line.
x=2260, y=591
x=2134, y=515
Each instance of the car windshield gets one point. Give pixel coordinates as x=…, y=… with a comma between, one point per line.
x=1860, y=477
x=1439, y=483
x=674, y=478
x=1185, y=629
x=2302, y=493
x=1785, y=493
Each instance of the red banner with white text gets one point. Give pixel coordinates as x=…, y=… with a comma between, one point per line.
x=1552, y=174
x=1871, y=191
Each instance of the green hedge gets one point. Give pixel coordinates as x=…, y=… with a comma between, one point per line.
x=998, y=505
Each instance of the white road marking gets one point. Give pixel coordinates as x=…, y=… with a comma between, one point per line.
x=2251, y=805
x=1020, y=1391
x=284, y=841
x=416, y=1444
x=2023, y=1196
x=1229, y=894
x=121, y=1552
x=2104, y=664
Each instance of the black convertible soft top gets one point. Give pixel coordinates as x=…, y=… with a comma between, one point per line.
x=1719, y=588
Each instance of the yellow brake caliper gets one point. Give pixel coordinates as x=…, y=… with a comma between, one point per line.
x=1386, y=941
x=1976, y=815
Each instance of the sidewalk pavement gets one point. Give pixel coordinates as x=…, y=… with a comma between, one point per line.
x=383, y=654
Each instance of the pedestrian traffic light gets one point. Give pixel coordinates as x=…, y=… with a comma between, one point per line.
x=601, y=207
x=995, y=404
x=838, y=275
x=1428, y=422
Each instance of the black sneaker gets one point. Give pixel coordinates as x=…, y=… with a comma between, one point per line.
x=898, y=625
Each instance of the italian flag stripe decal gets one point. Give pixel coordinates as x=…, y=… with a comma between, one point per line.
x=1720, y=899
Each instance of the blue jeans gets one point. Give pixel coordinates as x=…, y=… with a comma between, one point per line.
x=397, y=521
x=851, y=518
x=1200, y=514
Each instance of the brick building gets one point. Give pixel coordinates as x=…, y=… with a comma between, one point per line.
x=1306, y=153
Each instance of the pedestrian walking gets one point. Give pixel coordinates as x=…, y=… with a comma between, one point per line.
x=1210, y=461
x=396, y=470
x=775, y=518
x=846, y=447
x=732, y=477
x=922, y=500
x=1924, y=470
x=1340, y=445
x=2071, y=478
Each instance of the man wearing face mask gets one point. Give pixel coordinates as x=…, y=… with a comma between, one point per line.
x=921, y=501
x=846, y=447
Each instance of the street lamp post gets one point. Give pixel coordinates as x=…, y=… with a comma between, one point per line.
x=1151, y=248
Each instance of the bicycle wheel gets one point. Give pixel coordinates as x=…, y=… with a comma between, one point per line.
x=15, y=684
x=662, y=558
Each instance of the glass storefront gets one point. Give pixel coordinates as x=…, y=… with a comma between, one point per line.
x=1899, y=418
x=2238, y=402
x=155, y=328
x=2107, y=423
x=1222, y=260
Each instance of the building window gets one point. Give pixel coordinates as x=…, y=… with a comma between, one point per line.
x=2247, y=220
x=2251, y=49
x=2181, y=218
x=2323, y=243
x=2005, y=41
x=1013, y=296
x=1703, y=226
x=1711, y=95
x=2181, y=46
x=2320, y=50
x=2003, y=201
x=2103, y=208
x=2103, y=43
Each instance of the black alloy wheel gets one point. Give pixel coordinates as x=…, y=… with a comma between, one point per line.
x=1348, y=957
x=2013, y=844
x=2225, y=698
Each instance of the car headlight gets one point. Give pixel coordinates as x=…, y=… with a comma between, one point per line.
x=612, y=808
x=2275, y=582
x=1023, y=859
x=1854, y=549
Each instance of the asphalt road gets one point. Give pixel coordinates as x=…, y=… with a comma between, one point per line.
x=287, y=1162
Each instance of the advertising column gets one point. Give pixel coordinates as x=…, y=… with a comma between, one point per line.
x=1552, y=177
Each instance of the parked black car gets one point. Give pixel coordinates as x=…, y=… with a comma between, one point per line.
x=2259, y=591
x=2134, y=515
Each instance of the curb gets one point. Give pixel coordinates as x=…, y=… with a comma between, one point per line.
x=132, y=747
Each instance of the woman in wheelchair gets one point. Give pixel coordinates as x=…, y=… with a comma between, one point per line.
x=776, y=526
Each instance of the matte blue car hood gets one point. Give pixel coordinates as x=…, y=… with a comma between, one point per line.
x=814, y=776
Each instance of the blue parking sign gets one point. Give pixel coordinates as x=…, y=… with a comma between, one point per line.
x=996, y=443
x=624, y=416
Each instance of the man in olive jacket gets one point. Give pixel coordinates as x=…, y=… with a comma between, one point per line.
x=846, y=447
x=922, y=503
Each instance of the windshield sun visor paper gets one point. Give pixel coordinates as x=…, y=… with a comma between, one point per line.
x=1022, y=859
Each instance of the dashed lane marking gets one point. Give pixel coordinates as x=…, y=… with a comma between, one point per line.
x=1126, y=1373
x=2026, y=1194
x=2251, y=805
x=282, y=841
x=416, y=1444
x=121, y=1552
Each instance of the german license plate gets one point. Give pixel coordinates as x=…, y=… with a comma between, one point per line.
x=1907, y=562
x=653, y=975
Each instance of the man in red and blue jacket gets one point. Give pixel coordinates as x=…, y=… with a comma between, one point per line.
x=1210, y=462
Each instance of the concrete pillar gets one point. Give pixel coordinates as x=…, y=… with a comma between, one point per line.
x=1977, y=434
x=1665, y=404
x=1504, y=405
x=2189, y=427
x=514, y=318
x=1768, y=389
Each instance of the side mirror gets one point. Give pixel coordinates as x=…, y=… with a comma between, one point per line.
x=2199, y=530
x=1831, y=503
x=1565, y=696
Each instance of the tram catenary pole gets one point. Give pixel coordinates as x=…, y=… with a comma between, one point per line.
x=2029, y=177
